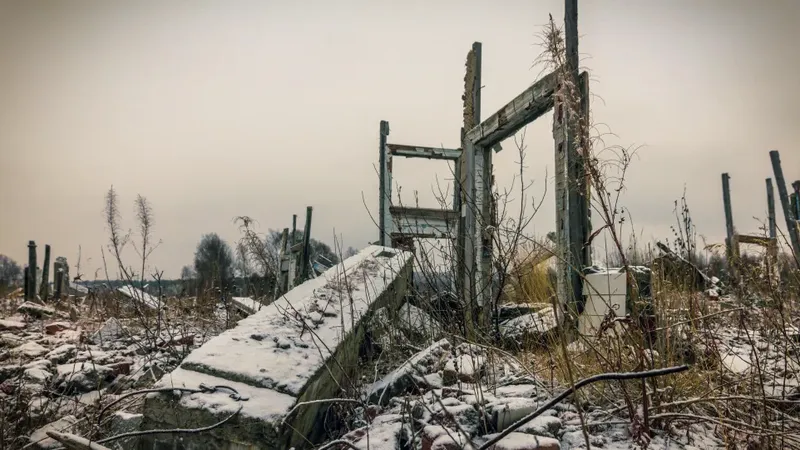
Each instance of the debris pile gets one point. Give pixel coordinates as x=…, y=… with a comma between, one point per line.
x=55, y=366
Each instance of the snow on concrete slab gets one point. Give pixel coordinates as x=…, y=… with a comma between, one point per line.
x=284, y=344
x=139, y=296
x=78, y=289
x=261, y=404
x=246, y=304
x=523, y=441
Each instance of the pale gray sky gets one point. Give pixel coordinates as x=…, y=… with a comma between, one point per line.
x=218, y=109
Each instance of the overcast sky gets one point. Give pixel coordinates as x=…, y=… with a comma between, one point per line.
x=218, y=109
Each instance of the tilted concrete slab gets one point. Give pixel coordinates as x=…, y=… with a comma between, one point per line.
x=246, y=305
x=302, y=347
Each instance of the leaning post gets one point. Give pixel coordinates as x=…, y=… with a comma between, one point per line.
x=726, y=200
x=306, y=246
x=791, y=224
x=44, y=290
x=31, y=270
x=772, y=228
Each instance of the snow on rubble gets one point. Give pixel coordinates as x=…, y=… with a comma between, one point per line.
x=60, y=359
x=408, y=410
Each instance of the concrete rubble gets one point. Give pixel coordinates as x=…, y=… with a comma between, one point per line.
x=278, y=369
x=280, y=357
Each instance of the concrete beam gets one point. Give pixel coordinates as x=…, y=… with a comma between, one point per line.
x=528, y=106
x=414, y=151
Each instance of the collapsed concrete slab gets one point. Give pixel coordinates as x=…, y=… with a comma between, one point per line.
x=246, y=305
x=139, y=296
x=301, y=348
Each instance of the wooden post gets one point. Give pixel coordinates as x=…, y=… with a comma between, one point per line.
x=771, y=210
x=726, y=200
x=795, y=200
x=306, y=246
x=791, y=224
x=31, y=270
x=45, y=288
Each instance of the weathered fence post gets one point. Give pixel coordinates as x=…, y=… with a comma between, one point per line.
x=306, y=260
x=771, y=210
x=795, y=200
x=791, y=224
x=44, y=290
x=31, y=271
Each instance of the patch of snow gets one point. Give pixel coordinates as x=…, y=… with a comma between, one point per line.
x=523, y=441
x=40, y=438
x=11, y=325
x=30, y=349
x=263, y=404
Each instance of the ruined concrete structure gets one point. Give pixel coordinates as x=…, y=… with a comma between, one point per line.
x=303, y=347
x=472, y=221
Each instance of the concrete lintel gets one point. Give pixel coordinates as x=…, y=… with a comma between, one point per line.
x=528, y=106
x=416, y=151
x=763, y=241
